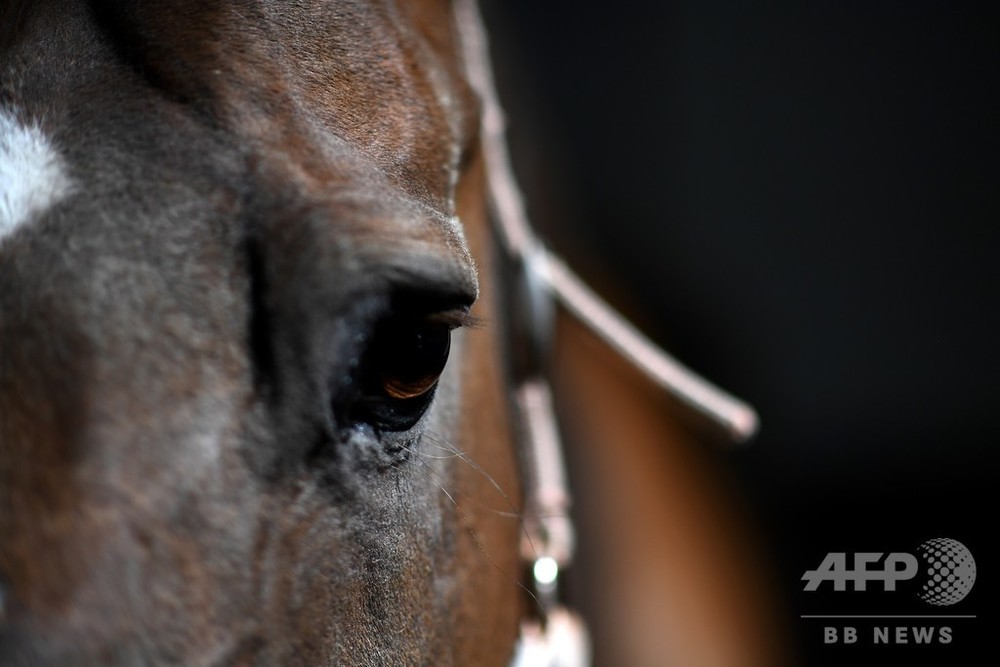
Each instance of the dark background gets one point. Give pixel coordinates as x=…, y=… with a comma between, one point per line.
x=800, y=201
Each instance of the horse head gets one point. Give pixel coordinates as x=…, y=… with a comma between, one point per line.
x=238, y=243
x=274, y=361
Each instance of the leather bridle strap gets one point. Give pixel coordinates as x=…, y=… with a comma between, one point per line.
x=519, y=241
x=536, y=280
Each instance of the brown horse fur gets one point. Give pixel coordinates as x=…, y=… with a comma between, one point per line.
x=252, y=187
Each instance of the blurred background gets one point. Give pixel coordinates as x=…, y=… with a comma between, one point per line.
x=800, y=200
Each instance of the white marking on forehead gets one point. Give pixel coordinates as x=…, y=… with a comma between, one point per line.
x=32, y=174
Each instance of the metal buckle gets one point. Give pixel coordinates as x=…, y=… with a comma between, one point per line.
x=561, y=642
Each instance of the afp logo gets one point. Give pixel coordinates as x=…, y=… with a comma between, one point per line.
x=945, y=566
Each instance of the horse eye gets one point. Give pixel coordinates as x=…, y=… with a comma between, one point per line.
x=399, y=371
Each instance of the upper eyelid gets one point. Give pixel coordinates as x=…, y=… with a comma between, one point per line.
x=420, y=298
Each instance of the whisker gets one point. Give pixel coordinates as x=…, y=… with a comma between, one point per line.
x=454, y=453
x=482, y=548
x=442, y=443
x=437, y=479
x=432, y=457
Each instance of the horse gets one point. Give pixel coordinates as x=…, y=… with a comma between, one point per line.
x=268, y=363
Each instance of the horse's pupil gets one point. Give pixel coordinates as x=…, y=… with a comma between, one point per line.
x=414, y=356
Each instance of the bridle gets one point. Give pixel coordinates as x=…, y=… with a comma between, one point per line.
x=536, y=280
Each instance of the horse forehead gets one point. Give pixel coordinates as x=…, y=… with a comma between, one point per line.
x=360, y=100
x=353, y=108
x=384, y=78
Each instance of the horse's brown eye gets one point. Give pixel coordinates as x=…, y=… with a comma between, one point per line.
x=413, y=356
x=399, y=371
